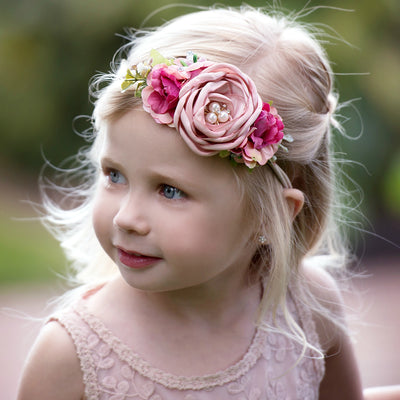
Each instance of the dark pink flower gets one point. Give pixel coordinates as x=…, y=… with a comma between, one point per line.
x=265, y=137
x=164, y=83
x=268, y=128
x=161, y=95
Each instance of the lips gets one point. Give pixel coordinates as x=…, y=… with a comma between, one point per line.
x=136, y=260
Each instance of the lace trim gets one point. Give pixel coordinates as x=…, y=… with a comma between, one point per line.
x=85, y=359
x=169, y=380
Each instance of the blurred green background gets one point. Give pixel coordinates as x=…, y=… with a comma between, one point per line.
x=49, y=49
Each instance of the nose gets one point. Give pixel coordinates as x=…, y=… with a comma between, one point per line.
x=131, y=216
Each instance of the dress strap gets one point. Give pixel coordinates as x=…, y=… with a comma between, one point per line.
x=80, y=335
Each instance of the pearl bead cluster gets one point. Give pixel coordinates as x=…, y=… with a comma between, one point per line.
x=217, y=113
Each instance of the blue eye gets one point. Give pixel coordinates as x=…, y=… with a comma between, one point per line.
x=172, y=193
x=115, y=177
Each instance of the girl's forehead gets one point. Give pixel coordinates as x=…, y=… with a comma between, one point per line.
x=137, y=141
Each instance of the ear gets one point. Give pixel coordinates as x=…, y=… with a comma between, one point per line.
x=295, y=200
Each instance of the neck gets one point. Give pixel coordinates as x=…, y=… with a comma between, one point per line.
x=214, y=306
x=219, y=303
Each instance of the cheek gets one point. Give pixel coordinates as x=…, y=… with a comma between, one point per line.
x=187, y=234
x=205, y=233
x=233, y=229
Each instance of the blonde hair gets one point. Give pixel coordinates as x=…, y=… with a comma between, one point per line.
x=289, y=68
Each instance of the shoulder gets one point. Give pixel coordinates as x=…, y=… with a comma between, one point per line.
x=328, y=313
x=321, y=283
x=341, y=378
x=52, y=370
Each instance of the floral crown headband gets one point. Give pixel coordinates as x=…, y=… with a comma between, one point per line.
x=214, y=106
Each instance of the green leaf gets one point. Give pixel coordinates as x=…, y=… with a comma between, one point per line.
x=126, y=84
x=224, y=153
x=129, y=74
x=158, y=58
x=233, y=162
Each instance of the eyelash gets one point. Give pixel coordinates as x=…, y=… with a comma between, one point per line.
x=163, y=187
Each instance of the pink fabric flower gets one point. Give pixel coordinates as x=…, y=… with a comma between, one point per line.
x=264, y=140
x=268, y=128
x=252, y=156
x=228, y=86
x=164, y=83
x=161, y=94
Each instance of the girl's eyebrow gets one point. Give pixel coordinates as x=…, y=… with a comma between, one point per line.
x=109, y=161
x=174, y=179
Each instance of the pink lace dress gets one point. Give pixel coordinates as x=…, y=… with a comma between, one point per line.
x=268, y=370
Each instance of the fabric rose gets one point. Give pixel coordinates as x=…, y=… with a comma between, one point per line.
x=164, y=83
x=268, y=127
x=161, y=94
x=226, y=85
x=264, y=140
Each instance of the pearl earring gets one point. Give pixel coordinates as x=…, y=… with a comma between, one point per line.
x=262, y=239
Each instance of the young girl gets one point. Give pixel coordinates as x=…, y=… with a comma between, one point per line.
x=206, y=231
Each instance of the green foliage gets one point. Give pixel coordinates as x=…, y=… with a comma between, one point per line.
x=27, y=252
x=134, y=80
x=391, y=186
